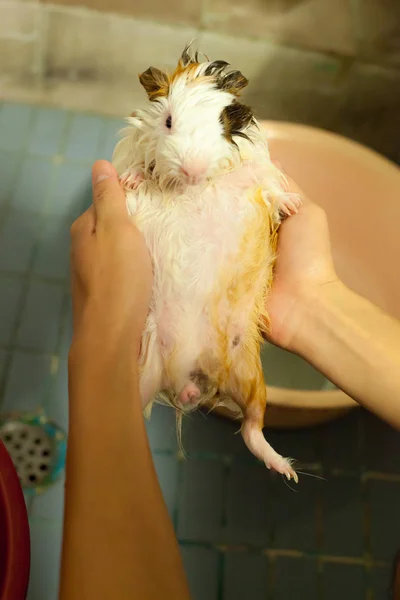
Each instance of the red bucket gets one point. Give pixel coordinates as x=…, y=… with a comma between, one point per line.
x=14, y=533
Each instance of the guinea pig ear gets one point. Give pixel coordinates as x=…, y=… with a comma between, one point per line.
x=155, y=82
x=233, y=82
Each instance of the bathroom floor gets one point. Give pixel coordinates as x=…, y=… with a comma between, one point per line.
x=244, y=533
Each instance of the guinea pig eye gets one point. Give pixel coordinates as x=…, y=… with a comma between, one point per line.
x=168, y=122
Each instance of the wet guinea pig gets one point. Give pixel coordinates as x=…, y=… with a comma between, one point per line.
x=201, y=187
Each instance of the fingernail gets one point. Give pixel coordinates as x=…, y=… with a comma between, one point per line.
x=102, y=170
x=101, y=178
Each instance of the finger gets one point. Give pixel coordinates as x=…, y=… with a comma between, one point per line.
x=108, y=196
x=85, y=224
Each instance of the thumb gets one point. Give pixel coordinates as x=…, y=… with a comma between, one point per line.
x=108, y=196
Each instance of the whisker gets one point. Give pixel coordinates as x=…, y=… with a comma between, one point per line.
x=287, y=485
x=312, y=475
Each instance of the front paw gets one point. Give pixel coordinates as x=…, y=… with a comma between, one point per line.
x=288, y=204
x=131, y=179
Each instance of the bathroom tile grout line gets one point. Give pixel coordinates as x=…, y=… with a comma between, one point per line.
x=275, y=553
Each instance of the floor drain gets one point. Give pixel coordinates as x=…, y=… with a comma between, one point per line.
x=37, y=448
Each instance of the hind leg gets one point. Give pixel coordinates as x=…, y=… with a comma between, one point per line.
x=249, y=391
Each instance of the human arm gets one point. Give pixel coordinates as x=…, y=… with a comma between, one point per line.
x=118, y=539
x=313, y=314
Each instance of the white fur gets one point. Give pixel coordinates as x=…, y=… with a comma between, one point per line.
x=191, y=231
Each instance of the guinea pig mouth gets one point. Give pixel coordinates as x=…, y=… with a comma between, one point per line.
x=193, y=180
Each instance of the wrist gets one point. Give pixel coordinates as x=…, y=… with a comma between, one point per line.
x=312, y=305
x=103, y=336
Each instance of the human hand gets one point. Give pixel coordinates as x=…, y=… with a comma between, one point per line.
x=111, y=267
x=304, y=265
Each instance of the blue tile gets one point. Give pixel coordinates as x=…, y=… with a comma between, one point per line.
x=52, y=258
x=294, y=514
x=33, y=184
x=28, y=381
x=9, y=163
x=344, y=581
x=112, y=127
x=248, y=505
x=207, y=434
x=17, y=240
x=57, y=405
x=14, y=126
x=167, y=468
x=72, y=191
x=47, y=132
x=384, y=500
x=66, y=325
x=343, y=517
x=380, y=583
x=84, y=137
x=50, y=504
x=342, y=442
x=383, y=455
x=245, y=576
x=161, y=429
x=293, y=575
x=46, y=539
x=40, y=321
x=11, y=290
x=201, y=500
x=201, y=568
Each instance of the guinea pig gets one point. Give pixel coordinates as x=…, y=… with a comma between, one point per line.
x=201, y=187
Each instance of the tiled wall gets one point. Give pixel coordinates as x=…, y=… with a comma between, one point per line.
x=329, y=63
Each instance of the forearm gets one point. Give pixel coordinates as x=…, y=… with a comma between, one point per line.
x=118, y=538
x=355, y=345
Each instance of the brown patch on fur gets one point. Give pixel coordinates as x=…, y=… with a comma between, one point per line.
x=243, y=289
x=233, y=82
x=189, y=71
x=155, y=82
x=235, y=118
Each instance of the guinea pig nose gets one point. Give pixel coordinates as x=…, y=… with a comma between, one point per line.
x=193, y=168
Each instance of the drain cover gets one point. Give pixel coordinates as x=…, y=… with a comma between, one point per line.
x=37, y=449
x=30, y=449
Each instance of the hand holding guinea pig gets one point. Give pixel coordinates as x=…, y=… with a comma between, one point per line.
x=202, y=189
